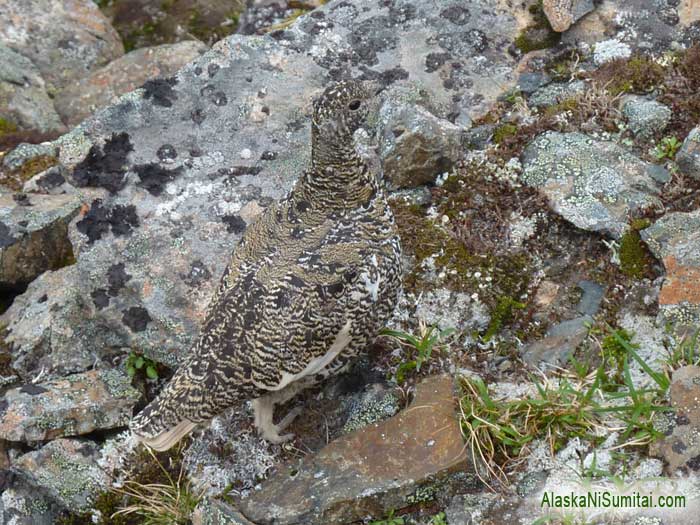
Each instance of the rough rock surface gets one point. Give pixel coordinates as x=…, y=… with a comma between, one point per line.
x=646, y=117
x=65, y=39
x=638, y=24
x=34, y=235
x=563, y=338
x=21, y=505
x=174, y=168
x=66, y=470
x=82, y=98
x=78, y=404
x=688, y=157
x=555, y=93
x=23, y=98
x=215, y=512
x=675, y=240
x=361, y=474
x=681, y=445
x=416, y=146
x=562, y=13
x=593, y=184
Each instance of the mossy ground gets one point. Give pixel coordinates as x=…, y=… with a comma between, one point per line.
x=539, y=34
x=15, y=179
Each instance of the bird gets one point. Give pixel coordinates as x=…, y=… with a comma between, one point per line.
x=311, y=283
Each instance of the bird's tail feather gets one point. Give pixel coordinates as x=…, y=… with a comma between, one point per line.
x=168, y=438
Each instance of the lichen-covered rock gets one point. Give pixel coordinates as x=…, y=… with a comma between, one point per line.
x=361, y=474
x=675, y=240
x=415, y=146
x=67, y=471
x=449, y=309
x=552, y=94
x=65, y=39
x=562, y=13
x=646, y=117
x=34, y=235
x=595, y=185
x=24, y=102
x=46, y=330
x=375, y=403
x=634, y=25
x=680, y=447
x=215, y=512
x=83, y=97
x=174, y=171
x=78, y=404
x=21, y=505
x=688, y=157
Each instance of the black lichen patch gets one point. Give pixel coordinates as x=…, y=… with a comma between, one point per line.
x=386, y=77
x=136, y=318
x=237, y=171
x=370, y=37
x=456, y=14
x=234, y=223
x=6, y=239
x=197, y=275
x=43, y=299
x=117, y=278
x=105, y=167
x=213, y=69
x=100, y=298
x=154, y=177
x=166, y=152
x=161, y=91
x=99, y=219
x=33, y=390
x=52, y=179
x=434, y=60
x=216, y=97
x=268, y=155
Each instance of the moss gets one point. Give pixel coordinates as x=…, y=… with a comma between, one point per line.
x=501, y=314
x=569, y=104
x=15, y=179
x=637, y=74
x=7, y=126
x=539, y=34
x=635, y=259
x=503, y=131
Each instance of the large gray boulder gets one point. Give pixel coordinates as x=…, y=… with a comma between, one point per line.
x=23, y=99
x=64, y=38
x=172, y=174
x=688, y=157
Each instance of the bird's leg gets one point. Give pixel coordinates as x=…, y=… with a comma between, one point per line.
x=264, y=408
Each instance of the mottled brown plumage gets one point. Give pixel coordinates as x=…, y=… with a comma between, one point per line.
x=310, y=284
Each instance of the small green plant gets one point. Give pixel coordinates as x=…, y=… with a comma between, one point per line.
x=422, y=346
x=168, y=503
x=667, y=148
x=684, y=351
x=139, y=363
x=389, y=520
x=439, y=519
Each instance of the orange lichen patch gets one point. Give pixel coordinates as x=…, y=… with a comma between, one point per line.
x=682, y=284
x=147, y=289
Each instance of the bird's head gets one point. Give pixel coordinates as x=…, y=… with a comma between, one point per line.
x=343, y=108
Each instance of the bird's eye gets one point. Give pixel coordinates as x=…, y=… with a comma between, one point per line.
x=354, y=105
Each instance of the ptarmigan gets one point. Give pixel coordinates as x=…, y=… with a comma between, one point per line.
x=311, y=283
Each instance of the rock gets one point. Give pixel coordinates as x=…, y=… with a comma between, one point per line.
x=562, y=13
x=448, y=309
x=561, y=340
x=626, y=25
x=21, y=505
x=552, y=94
x=609, y=50
x=214, y=512
x=43, y=327
x=593, y=184
x=78, y=404
x=34, y=235
x=24, y=102
x=65, y=39
x=646, y=118
x=83, y=97
x=361, y=474
x=67, y=471
x=416, y=146
x=164, y=185
x=652, y=341
x=531, y=81
x=375, y=403
x=681, y=445
x=675, y=240
x=688, y=157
